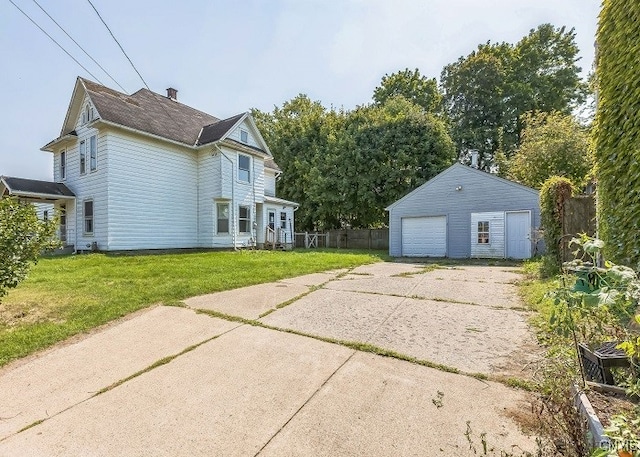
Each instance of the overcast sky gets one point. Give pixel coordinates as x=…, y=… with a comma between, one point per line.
x=226, y=57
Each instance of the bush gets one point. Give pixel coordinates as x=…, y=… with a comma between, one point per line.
x=22, y=239
x=555, y=191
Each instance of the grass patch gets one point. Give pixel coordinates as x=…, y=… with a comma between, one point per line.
x=64, y=296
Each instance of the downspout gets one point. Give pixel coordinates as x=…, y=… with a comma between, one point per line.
x=233, y=200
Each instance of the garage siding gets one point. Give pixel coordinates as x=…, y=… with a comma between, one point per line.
x=478, y=192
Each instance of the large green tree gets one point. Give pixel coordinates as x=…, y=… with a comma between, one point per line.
x=413, y=86
x=486, y=92
x=343, y=167
x=617, y=130
x=553, y=144
x=22, y=239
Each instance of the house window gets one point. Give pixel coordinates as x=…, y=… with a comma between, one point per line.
x=45, y=215
x=283, y=220
x=63, y=164
x=244, y=162
x=483, y=232
x=93, y=153
x=88, y=217
x=222, y=212
x=83, y=157
x=244, y=136
x=244, y=219
x=87, y=113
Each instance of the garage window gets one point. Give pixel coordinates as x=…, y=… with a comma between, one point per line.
x=483, y=232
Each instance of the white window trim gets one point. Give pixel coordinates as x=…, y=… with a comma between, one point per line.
x=248, y=219
x=217, y=230
x=84, y=217
x=93, y=153
x=82, y=150
x=63, y=164
x=488, y=232
x=248, y=170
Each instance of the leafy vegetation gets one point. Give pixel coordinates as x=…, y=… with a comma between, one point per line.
x=617, y=130
x=486, y=92
x=23, y=237
x=68, y=295
x=555, y=191
x=418, y=89
x=552, y=144
x=344, y=168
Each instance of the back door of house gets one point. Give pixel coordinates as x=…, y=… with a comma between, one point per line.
x=518, y=234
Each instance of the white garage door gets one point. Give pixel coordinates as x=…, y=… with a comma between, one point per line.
x=424, y=236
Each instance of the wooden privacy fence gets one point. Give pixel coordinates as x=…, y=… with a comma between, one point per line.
x=377, y=239
x=578, y=216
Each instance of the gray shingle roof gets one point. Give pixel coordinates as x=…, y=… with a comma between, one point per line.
x=215, y=131
x=149, y=112
x=32, y=186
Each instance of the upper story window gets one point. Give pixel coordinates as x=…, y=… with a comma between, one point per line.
x=88, y=114
x=93, y=153
x=244, y=166
x=244, y=136
x=83, y=157
x=483, y=232
x=63, y=164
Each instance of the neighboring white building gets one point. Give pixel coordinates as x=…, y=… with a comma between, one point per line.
x=144, y=171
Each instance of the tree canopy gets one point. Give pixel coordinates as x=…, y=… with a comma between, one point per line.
x=413, y=86
x=553, y=144
x=486, y=92
x=345, y=167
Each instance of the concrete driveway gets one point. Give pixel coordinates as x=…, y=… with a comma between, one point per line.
x=174, y=381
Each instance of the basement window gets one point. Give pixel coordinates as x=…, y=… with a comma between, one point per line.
x=483, y=232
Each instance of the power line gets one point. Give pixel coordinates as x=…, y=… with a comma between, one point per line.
x=59, y=45
x=77, y=44
x=118, y=43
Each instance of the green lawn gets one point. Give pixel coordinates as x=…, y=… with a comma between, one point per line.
x=64, y=296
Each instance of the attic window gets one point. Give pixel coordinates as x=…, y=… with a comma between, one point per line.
x=244, y=136
x=87, y=112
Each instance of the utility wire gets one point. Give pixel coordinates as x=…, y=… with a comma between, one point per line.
x=52, y=39
x=117, y=42
x=78, y=44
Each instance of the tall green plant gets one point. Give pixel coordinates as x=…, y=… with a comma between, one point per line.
x=617, y=148
x=553, y=194
x=22, y=239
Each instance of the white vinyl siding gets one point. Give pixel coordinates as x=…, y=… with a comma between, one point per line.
x=269, y=183
x=237, y=135
x=495, y=247
x=153, y=189
x=424, y=236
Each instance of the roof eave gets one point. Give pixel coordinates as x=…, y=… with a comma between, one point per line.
x=60, y=141
x=143, y=133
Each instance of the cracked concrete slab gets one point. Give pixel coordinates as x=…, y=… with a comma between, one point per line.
x=248, y=302
x=313, y=279
x=386, y=407
x=387, y=269
x=226, y=397
x=47, y=384
x=478, y=274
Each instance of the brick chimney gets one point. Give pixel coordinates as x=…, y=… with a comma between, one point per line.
x=172, y=93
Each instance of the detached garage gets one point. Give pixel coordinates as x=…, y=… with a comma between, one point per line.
x=462, y=213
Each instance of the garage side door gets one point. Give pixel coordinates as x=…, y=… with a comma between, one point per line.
x=424, y=236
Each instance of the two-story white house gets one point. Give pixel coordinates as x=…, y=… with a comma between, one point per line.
x=144, y=171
